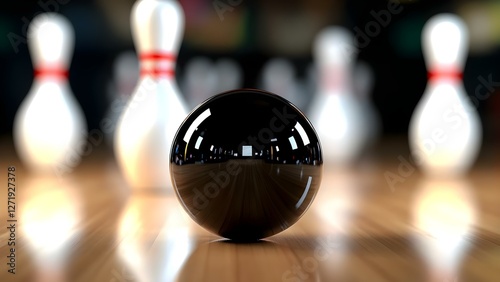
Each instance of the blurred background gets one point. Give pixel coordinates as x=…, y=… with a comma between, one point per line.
x=251, y=33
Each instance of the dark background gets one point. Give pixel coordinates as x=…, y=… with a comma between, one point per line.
x=252, y=33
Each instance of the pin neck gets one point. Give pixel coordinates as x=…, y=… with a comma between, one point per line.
x=51, y=72
x=157, y=64
x=449, y=74
x=334, y=79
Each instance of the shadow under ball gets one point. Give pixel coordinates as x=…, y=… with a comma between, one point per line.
x=246, y=164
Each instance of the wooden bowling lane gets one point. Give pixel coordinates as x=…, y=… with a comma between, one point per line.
x=89, y=227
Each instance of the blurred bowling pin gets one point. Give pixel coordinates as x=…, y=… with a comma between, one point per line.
x=335, y=112
x=229, y=75
x=445, y=130
x=155, y=109
x=49, y=126
x=125, y=76
x=310, y=84
x=200, y=80
x=363, y=85
x=279, y=77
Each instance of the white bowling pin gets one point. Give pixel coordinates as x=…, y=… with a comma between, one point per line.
x=445, y=131
x=335, y=111
x=49, y=127
x=363, y=85
x=200, y=80
x=155, y=109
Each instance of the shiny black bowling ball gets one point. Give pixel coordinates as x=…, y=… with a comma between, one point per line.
x=246, y=164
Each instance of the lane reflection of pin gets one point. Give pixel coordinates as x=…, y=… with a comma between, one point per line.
x=154, y=246
x=336, y=204
x=51, y=217
x=444, y=214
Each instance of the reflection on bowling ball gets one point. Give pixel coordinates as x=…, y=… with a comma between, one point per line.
x=246, y=164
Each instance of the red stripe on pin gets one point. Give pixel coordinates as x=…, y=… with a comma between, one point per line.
x=445, y=74
x=158, y=72
x=156, y=56
x=51, y=72
x=153, y=70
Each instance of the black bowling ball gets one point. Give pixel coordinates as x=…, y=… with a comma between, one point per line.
x=246, y=164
